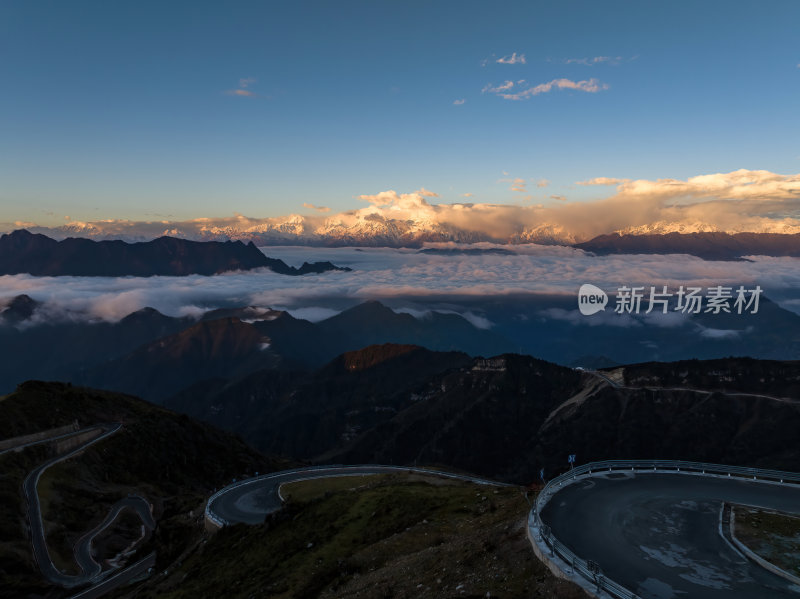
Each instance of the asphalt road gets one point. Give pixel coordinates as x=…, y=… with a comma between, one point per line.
x=250, y=501
x=90, y=569
x=125, y=576
x=658, y=534
x=40, y=552
x=22, y=446
x=83, y=548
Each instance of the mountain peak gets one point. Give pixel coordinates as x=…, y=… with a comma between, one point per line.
x=19, y=308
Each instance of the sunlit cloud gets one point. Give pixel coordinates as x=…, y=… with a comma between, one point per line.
x=737, y=201
x=242, y=91
x=602, y=181
x=317, y=208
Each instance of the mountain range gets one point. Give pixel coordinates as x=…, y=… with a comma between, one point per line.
x=39, y=255
x=366, y=228
x=155, y=356
x=507, y=416
x=706, y=245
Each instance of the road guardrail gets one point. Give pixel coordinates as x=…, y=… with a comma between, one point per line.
x=591, y=570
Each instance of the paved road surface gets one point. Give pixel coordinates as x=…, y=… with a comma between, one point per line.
x=250, y=501
x=658, y=534
x=90, y=569
x=124, y=577
x=17, y=448
x=83, y=548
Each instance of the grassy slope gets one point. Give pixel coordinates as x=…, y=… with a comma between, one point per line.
x=771, y=535
x=387, y=537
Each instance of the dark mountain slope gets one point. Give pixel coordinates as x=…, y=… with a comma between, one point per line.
x=709, y=246
x=224, y=347
x=309, y=414
x=24, y=252
x=516, y=415
x=67, y=349
x=373, y=323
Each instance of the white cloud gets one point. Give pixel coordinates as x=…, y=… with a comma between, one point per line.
x=514, y=58
x=459, y=102
x=507, y=85
x=523, y=91
x=384, y=273
x=589, y=62
x=246, y=82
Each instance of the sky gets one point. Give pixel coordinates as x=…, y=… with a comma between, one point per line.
x=154, y=111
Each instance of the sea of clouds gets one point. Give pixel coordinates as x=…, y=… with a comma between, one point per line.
x=381, y=273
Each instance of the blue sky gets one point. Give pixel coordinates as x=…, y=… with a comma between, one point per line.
x=130, y=110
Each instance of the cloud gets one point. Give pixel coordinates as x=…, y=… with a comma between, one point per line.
x=589, y=62
x=385, y=273
x=459, y=102
x=523, y=91
x=737, y=201
x=240, y=92
x=519, y=185
x=602, y=181
x=559, y=198
x=542, y=183
x=498, y=89
x=466, y=195
x=512, y=59
x=244, y=83
x=317, y=208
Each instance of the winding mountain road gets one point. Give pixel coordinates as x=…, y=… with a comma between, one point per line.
x=90, y=569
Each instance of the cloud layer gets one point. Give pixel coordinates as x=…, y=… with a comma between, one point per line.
x=741, y=200
x=385, y=273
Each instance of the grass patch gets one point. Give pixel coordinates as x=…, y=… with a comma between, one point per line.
x=390, y=536
x=775, y=536
x=308, y=490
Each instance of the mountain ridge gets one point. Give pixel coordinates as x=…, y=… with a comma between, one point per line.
x=23, y=252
